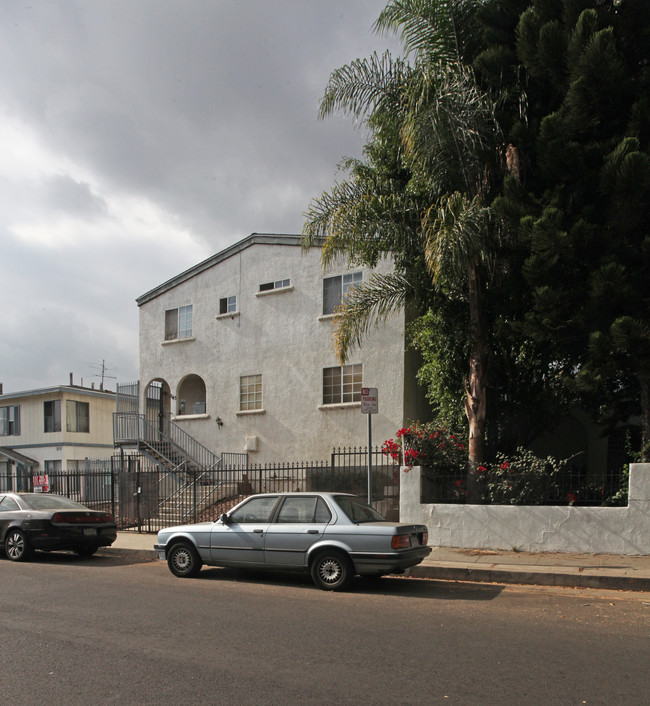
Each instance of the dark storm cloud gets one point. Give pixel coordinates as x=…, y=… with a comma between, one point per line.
x=143, y=135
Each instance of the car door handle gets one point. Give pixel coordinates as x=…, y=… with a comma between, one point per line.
x=258, y=531
x=312, y=531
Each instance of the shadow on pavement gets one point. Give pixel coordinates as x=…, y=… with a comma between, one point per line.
x=97, y=561
x=404, y=587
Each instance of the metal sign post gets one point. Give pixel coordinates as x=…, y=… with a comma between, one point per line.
x=369, y=406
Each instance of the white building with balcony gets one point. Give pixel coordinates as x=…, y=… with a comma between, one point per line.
x=237, y=351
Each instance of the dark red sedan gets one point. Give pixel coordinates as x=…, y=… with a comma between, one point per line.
x=49, y=522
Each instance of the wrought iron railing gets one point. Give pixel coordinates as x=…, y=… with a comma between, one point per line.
x=133, y=428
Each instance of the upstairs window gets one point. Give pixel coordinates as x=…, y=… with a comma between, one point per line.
x=178, y=323
x=52, y=416
x=335, y=289
x=278, y=284
x=342, y=384
x=250, y=392
x=10, y=420
x=77, y=416
x=227, y=305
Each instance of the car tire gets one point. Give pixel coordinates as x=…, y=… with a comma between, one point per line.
x=17, y=546
x=85, y=551
x=332, y=571
x=183, y=560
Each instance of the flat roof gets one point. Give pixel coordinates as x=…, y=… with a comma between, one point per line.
x=55, y=390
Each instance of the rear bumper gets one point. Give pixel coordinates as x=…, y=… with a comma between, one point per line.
x=70, y=539
x=389, y=563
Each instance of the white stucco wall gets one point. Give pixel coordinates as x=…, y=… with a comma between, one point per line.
x=281, y=335
x=599, y=530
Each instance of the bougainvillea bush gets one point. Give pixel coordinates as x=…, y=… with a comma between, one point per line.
x=522, y=479
x=442, y=454
x=519, y=479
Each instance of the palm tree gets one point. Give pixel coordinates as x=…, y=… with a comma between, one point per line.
x=422, y=193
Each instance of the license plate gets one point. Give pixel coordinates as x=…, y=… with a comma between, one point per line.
x=90, y=532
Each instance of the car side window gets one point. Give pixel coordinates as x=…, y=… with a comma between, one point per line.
x=304, y=509
x=323, y=514
x=254, y=511
x=8, y=504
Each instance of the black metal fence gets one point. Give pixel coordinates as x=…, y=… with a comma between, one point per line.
x=145, y=497
x=565, y=488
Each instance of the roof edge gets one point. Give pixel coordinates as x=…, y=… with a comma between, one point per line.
x=247, y=242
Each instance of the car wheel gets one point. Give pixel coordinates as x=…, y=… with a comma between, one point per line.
x=85, y=551
x=332, y=571
x=17, y=547
x=183, y=560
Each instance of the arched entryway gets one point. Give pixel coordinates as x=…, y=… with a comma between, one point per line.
x=157, y=404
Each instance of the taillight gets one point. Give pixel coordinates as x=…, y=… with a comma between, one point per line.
x=424, y=538
x=400, y=541
x=81, y=518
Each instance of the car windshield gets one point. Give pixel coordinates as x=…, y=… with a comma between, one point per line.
x=358, y=510
x=50, y=502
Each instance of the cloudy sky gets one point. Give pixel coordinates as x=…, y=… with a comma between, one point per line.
x=139, y=137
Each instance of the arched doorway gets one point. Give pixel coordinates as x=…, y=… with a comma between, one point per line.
x=157, y=404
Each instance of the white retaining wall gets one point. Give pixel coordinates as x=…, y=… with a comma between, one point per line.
x=588, y=530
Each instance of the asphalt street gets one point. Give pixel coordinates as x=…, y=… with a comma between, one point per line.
x=115, y=629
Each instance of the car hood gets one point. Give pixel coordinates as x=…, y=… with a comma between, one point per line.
x=198, y=527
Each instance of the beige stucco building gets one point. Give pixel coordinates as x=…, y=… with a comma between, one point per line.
x=53, y=430
x=238, y=351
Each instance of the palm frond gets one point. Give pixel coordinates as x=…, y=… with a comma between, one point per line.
x=456, y=236
x=369, y=303
x=365, y=86
x=437, y=31
x=450, y=126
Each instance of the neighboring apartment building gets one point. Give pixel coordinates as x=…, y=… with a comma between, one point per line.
x=52, y=430
x=238, y=350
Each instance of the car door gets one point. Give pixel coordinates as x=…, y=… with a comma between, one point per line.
x=240, y=540
x=297, y=525
x=8, y=509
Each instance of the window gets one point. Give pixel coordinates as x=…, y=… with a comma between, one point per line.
x=52, y=416
x=335, y=289
x=304, y=509
x=8, y=505
x=178, y=323
x=342, y=384
x=250, y=392
x=10, y=420
x=227, y=305
x=77, y=416
x=278, y=284
x=255, y=510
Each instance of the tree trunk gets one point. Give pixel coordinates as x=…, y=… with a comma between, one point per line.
x=475, y=385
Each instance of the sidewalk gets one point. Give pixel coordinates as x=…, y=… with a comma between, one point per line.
x=607, y=571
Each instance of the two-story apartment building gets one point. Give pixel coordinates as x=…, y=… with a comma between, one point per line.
x=52, y=430
x=238, y=350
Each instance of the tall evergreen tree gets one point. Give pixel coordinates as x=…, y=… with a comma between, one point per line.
x=584, y=142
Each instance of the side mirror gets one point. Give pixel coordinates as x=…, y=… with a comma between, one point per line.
x=224, y=518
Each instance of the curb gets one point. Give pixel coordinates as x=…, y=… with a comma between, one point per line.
x=576, y=578
x=139, y=554
x=494, y=573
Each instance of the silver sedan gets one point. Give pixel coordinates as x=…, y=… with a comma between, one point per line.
x=332, y=535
